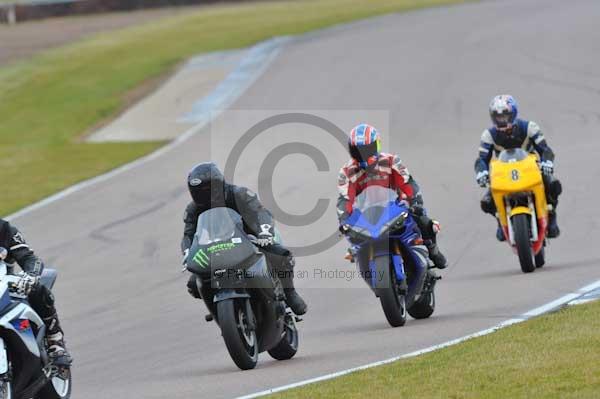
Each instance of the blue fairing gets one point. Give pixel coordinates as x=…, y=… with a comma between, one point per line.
x=5, y=300
x=390, y=212
x=378, y=226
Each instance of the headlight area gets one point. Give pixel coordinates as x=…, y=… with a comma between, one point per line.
x=395, y=224
x=227, y=278
x=358, y=234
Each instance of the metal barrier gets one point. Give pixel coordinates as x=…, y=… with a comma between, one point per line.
x=9, y=9
x=21, y=10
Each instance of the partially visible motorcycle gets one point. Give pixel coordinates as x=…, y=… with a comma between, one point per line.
x=26, y=371
x=243, y=296
x=518, y=191
x=391, y=256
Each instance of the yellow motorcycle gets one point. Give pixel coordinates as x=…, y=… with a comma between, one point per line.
x=518, y=191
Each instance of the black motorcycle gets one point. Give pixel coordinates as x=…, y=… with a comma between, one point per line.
x=26, y=371
x=243, y=296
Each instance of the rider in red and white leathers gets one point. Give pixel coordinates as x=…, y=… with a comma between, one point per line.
x=370, y=167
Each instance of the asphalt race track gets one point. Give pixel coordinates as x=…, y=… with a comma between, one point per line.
x=135, y=332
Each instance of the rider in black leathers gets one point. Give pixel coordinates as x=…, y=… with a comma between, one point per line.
x=40, y=298
x=208, y=189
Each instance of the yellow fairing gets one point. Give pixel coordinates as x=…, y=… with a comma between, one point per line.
x=514, y=177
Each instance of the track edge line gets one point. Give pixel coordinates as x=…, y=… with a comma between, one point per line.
x=538, y=311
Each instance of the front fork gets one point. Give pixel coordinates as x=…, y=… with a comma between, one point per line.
x=398, y=264
x=399, y=268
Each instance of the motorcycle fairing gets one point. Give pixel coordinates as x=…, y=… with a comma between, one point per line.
x=387, y=216
x=23, y=312
x=394, y=234
x=5, y=300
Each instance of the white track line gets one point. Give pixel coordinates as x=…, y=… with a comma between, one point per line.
x=562, y=301
x=249, y=69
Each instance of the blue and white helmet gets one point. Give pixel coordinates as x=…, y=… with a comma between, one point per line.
x=503, y=111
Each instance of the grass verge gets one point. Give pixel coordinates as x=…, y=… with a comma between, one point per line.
x=553, y=356
x=47, y=103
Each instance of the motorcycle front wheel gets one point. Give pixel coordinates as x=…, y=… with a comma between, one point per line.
x=392, y=302
x=235, y=319
x=521, y=226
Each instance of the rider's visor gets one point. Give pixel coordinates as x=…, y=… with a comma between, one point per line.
x=365, y=153
x=503, y=120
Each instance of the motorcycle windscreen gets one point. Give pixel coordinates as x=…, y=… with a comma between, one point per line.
x=220, y=243
x=373, y=204
x=512, y=155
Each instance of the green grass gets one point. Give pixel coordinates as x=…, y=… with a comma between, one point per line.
x=49, y=102
x=553, y=356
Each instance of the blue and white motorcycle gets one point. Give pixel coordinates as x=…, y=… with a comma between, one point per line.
x=391, y=256
x=26, y=371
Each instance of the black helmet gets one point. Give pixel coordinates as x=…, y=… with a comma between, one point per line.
x=206, y=184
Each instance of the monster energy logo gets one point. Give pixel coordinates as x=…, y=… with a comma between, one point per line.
x=221, y=247
x=201, y=258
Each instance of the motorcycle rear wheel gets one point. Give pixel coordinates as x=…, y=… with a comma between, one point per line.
x=241, y=343
x=540, y=258
x=425, y=306
x=288, y=346
x=59, y=387
x=521, y=227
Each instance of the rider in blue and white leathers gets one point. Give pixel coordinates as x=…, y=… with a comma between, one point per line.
x=40, y=297
x=510, y=132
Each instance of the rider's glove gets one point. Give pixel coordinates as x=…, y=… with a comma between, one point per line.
x=547, y=167
x=417, y=210
x=265, y=237
x=436, y=226
x=185, y=256
x=483, y=178
x=26, y=283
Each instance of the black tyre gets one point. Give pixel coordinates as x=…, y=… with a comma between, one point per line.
x=521, y=228
x=540, y=258
x=241, y=342
x=288, y=346
x=392, y=302
x=6, y=390
x=425, y=306
x=59, y=386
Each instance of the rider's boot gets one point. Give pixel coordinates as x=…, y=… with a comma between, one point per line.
x=292, y=298
x=553, y=229
x=57, y=350
x=436, y=256
x=283, y=265
x=295, y=301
